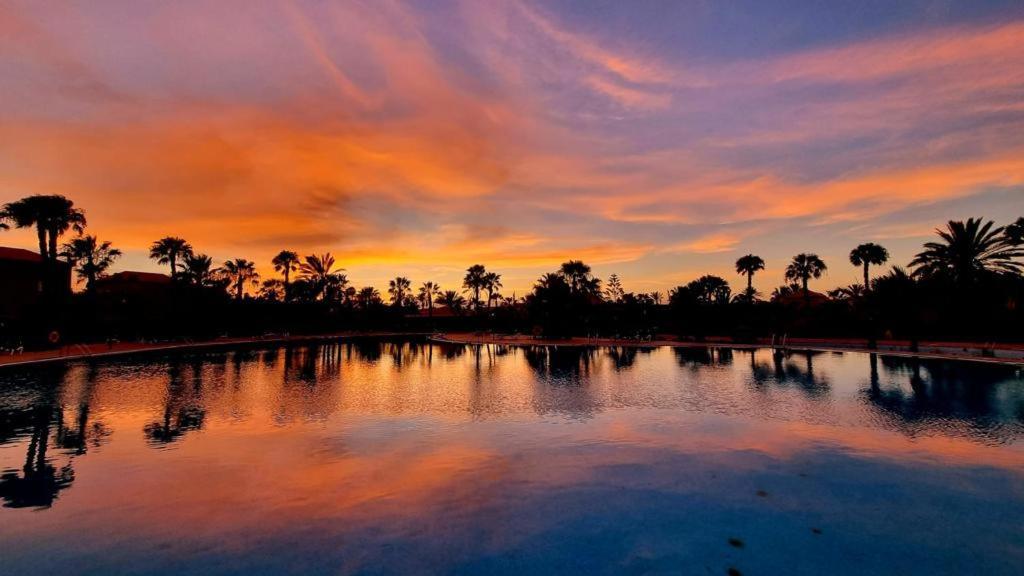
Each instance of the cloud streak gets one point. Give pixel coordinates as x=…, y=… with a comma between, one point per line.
x=418, y=140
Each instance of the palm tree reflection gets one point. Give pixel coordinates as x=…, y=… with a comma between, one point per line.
x=950, y=397
x=183, y=409
x=40, y=481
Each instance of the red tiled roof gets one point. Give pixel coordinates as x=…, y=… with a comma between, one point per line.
x=19, y=254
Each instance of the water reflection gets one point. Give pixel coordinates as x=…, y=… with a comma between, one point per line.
x=921, y=395
x=183, y=408
x=49, y=415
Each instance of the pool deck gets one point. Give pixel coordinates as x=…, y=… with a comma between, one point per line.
x=997, y=353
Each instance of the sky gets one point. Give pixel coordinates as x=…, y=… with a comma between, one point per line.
x=659, y=140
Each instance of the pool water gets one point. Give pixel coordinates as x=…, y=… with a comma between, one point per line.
x=374, y=457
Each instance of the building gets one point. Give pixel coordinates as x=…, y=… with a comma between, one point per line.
x=134, y=285
x=22, y=276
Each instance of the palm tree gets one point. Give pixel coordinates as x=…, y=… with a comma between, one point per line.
x=968, y=251
x=286, y=262
x=1015, y=232
x=747, y=266
x=368, y=296
x=453, y=300
x=272, y=290
x=867, y=254
x=318, y=270
x=577, y=275
x=428, y=292
x=474, y=282
x=90, y=258
x=491, y=283
x=398, y=289
x=337, y=288
x=803, y=268
x=198, y=269
x=710, y=289
x=51, y=216
x=169, y=250
x=240, y=272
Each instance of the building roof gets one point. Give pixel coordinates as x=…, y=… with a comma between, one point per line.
x=797, y=298
x=7, y=253
x=129, y=276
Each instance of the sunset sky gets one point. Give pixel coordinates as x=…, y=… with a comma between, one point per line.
x=657, y=140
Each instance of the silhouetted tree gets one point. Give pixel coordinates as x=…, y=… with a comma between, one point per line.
x=170, y=250
x=747, y=266
x=272, y=290
x=803, y=268
x=577, y=275
x=90, y=258
x=967, y=252
x=474, y=281
x=867, y=254
x=398, y=289
x=492, y=283
x=613, y=290
x=368, y=297
x=428, y=292
x=198, y=269
x=286, y=262
x=318, y=270
x=51, y=216
x=1015, y=232
x=710, y=289
x=240, y=272
x=453, y=300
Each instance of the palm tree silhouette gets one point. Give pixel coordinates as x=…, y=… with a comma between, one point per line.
x=747, y=266
x=272, y=290
x=318, y=270
x=428, y=292
x=198, y=269
x=337, y=288
x=968, y=251
x=453, y=300
x=240, y=272
x=803, y=268
x=367, y=297
x=491, y=283
x=577, y=275
x=1015, y=232
x=51, y=216
x=474, y=281
x=867, y=254
x=90, y=258
x=398, y=289
x=286, y=262
x=169, y=250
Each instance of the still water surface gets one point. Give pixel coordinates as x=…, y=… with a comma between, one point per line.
x=403, y=458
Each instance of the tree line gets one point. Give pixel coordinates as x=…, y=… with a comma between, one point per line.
x=971, y=265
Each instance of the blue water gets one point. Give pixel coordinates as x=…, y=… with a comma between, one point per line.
x=404, y=458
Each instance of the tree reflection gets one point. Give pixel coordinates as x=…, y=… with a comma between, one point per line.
x=183, y=409
x=39, y=481
x=955, y=397
x=697, y=357
x=623, y=357
x=559, y=362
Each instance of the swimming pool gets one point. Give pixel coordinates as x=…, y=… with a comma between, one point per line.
x=398, y=457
